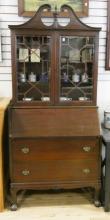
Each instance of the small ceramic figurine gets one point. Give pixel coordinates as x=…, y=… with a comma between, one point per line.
x=84, y=77
x=76, y=77
x=65, y=77
x=32, y=77
x=22, y=77
x=107, y=118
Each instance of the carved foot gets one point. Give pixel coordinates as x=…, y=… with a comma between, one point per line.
x=97, y=199
x=13, y=199
x=97, y=203
x=13, y=207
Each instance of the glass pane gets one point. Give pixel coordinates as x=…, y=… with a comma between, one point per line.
x=76, y=68
x=33, y=68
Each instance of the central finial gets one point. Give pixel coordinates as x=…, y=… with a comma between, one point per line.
x=56, y=9
x=55, y=16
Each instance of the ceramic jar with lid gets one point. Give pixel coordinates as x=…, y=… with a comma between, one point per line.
x=107, y=118
x=22, y=77
x=32, y=77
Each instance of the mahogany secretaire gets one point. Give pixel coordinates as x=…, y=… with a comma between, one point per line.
x=54, y=128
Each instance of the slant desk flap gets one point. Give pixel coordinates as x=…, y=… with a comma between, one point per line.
x=54, y=122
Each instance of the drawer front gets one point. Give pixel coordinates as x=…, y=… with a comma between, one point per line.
x=54, y=149
x=56, y=170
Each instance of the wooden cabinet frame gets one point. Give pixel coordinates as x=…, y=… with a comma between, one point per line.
x=50, y=140
x=22, y=12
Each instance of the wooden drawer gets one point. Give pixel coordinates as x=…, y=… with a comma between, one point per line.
x=56, y=170
x=54, y=149
x=54, y=159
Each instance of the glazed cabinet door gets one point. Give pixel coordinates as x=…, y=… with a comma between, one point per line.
x=33, y=68
x=54, y=59
x=77, y=69
x=55, y=68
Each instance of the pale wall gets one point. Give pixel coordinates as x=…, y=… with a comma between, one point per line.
x=97, y=17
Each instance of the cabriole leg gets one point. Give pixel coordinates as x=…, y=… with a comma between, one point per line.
x=97, y=201
x=13, y=206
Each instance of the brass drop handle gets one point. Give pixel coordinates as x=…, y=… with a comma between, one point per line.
x=26, y=172
x=86, y=171
x=87, y=148
x=25, y=150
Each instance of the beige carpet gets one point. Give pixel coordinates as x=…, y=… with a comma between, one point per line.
x=74, y=205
